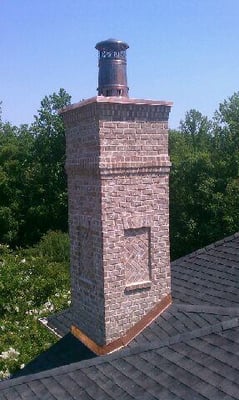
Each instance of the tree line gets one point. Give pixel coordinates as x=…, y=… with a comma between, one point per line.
x=204, y=186
x=204, y=181
x=33, y=195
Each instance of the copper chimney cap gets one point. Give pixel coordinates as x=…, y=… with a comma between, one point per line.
x=112, y=78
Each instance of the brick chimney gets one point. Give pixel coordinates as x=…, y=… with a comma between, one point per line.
x=118, y=185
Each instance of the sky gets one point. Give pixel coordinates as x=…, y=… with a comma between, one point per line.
x=185, y=51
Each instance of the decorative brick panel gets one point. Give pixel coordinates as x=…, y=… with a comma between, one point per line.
x=118, y=169
x=86, y=261
x=137, y=257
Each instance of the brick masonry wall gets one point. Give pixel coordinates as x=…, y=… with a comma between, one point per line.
x=118, y=168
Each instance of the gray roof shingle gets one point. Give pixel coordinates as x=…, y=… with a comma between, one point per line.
x=209, y=275
x=195, y=365
x=190, y=352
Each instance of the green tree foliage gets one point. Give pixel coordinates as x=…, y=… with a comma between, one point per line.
x=226, y=130
x=204, y=189
x=196, y=130
x=191, y=183
x=47, y=208
x=33, y=284
x=16, y=147
x=226, y=159
x=33, y=195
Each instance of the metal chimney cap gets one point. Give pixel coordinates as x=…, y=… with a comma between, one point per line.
x=112, y=44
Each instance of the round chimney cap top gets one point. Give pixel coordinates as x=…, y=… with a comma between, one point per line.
x=112, y=44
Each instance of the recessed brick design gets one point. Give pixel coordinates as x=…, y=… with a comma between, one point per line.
x=137, y=256
x=118, y=169
x=86, y=246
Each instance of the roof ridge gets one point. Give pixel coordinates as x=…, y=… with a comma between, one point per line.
x=219, y=327
x=206, y=248
x=221, y=241
x=209, y=309
x=206, y=330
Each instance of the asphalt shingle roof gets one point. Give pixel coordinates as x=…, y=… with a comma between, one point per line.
x=190, y=352
x=209, y=275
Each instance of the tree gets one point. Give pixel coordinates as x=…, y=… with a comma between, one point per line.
x=33, y=195
x=191, y=183
x=204, y=186
x=196, y=129
x=15, y=148
x=47, y=203
x=226, y=159
x=192, y=199
x=226, y=134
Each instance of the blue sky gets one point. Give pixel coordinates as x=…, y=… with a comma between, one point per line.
x=186, y=51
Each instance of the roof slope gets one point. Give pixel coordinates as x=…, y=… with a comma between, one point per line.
x=190, y=352
x=209, y=275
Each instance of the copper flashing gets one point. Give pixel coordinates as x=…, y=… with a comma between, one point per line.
x=128, y=336
x=115, y=100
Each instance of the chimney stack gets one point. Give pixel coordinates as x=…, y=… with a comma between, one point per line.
x=118, y=186
x=112, y=78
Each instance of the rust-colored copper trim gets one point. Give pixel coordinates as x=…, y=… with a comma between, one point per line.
x=115, y=99
x=129, y=335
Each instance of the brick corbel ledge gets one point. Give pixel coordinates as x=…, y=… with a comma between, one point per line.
x=129, y=335
x=112, y=169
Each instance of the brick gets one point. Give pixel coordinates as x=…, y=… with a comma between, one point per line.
x=117, y=165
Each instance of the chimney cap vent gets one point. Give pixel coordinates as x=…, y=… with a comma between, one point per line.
x=112, y=77
x=112, y=44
